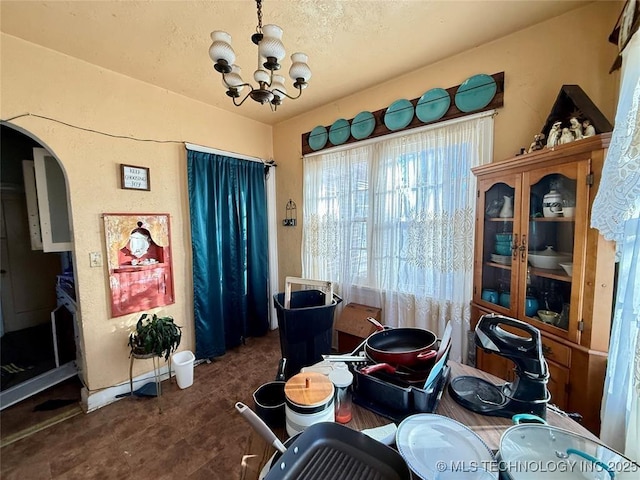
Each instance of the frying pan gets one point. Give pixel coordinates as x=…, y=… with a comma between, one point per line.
x=404, y=346
x=329, y=451
x=417, y=374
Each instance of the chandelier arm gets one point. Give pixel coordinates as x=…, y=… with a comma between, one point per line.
x=235, y=86
x=240, y=85
x=289, y=96
x=245, y=97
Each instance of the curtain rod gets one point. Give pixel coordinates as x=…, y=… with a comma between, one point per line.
x=403, y=133
x=215, y=151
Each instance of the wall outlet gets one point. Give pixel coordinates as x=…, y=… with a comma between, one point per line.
x=95, y=259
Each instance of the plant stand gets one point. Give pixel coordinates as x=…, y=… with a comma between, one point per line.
x=156, y=370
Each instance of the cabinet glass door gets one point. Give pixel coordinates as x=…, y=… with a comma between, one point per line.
x=500, y=204
x=557, y=214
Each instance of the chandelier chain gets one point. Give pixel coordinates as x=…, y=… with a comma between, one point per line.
x=259, y=5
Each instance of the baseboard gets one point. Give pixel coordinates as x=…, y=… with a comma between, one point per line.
x=94, y=400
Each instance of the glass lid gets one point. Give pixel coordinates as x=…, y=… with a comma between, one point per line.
x=533, y=451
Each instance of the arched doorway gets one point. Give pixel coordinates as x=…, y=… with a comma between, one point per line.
x=38, y=324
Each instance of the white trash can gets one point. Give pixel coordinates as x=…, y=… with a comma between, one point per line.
x=183, y=366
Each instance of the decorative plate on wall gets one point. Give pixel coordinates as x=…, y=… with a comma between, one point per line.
x=318, y=137
x=339, y=131
x=399, y=114
x=363, y=125
x=475, y=93
x=433, y=105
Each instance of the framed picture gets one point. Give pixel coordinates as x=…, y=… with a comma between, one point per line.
x=134, y=178
x=139, y=261
x=628, y=19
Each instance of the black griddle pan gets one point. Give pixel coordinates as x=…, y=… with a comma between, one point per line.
x=330, y=451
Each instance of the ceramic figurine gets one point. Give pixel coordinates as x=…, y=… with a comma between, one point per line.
x=589, y=130
x=554, y=135
x=507, y=208
x=537, y=142
x=566, y=136
x=576, y=128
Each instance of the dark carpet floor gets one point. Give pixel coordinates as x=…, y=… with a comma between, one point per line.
x=193, y=433
x=25, y=354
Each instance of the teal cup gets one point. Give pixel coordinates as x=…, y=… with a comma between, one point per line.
x=490, y=295
x=505, y=299
x=530, y=306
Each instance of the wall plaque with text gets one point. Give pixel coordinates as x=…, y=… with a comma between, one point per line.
x=134, y=178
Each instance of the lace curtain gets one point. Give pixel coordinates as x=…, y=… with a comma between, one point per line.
x=616, y=212
x=392, y=223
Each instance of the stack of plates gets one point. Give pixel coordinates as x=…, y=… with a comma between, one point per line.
x=502, y=259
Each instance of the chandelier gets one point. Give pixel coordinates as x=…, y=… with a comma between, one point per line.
x=271, y=88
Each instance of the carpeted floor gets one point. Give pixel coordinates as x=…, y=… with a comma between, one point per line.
x=25, y=354
x=184, y=434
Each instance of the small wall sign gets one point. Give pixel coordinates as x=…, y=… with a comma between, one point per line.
x=134, y=178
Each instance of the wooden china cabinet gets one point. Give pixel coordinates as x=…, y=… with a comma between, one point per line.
x=548, y=196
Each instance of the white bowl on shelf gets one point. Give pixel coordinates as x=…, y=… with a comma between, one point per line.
x=547, y=316
x=548, y=259
x=567, y=267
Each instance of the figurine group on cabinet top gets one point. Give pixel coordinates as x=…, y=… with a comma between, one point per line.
x=559, y=134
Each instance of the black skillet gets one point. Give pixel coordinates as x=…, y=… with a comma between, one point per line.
x=329, y=451
x=404, y=346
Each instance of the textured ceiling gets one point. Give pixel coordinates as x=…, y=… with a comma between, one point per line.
x=351, y=44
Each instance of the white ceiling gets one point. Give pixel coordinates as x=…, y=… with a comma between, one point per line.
x=351, y=44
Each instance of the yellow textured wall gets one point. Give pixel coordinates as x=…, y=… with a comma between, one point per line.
x=40, y=81
x=570, y=49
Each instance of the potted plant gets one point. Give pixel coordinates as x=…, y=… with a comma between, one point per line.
x=155, y=335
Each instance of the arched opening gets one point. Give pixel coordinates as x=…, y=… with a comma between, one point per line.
x=40, y=346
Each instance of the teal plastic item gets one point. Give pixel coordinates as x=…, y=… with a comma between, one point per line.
x=318, y=138
x=399, y=114
x=433, y=105
x=593, y=460
x=363, y=125
x=519, y=418
x=475, y=93
x=339, y=131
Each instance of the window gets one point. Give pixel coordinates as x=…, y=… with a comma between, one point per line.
x=396, y=217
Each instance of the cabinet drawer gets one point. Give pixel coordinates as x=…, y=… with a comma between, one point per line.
x=558, y=382
x=556, y=351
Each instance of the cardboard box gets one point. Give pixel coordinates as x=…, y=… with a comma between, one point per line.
x=353, y=327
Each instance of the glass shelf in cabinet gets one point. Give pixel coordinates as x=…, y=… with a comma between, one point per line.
x=552, y=219
x=553, y=274
x=498, y=265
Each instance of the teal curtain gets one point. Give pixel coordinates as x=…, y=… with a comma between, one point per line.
x=229, y=237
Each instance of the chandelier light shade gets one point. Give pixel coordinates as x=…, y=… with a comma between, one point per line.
x=270, y=85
